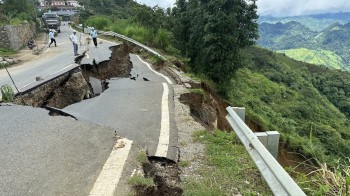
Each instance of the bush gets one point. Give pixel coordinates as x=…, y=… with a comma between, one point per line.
x=7, y=93
x=99, y=22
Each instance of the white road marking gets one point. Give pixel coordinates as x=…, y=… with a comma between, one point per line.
x=164, y=137
x=87, y=55
x=160, y=74
x=108, y=179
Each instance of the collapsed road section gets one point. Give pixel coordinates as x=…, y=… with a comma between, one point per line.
x=84, y=82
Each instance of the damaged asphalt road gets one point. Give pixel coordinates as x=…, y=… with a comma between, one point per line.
x=45, y=155
x=140, y=109
x=132, y=107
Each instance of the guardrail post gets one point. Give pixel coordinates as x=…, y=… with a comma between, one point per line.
x=270, y=140
x=263, y=138
x=240, y=111
x=272, y=143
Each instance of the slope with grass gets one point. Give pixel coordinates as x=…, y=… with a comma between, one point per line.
x=317, y=57
x=291, y=97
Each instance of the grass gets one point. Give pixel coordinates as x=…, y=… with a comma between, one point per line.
x=138, y=180
x=317, y=57
x=183, y=143
x=228, y=168
x=142, y=157
x=184, y=163
x=6, y=52
x=198, y=91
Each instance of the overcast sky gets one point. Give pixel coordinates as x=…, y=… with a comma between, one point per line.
x=281, y=7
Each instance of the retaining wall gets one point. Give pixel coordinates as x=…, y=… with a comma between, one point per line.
x=16, y=36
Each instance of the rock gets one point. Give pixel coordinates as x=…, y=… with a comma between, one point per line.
x=74, y=90
x=1, y=59
x=10, y=61
x=4, y=63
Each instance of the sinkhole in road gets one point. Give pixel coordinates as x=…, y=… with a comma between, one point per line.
x=84, y=82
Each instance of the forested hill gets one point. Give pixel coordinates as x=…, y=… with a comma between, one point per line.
x=328, y=47
x=113, y=8
x=317, y=22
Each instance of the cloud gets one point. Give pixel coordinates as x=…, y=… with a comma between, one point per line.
x=300, y=7
x=160, y=3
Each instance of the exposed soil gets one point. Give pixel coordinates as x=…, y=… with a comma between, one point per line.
x=165, y=174
x=208, y=108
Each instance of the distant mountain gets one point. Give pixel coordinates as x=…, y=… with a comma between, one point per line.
x=331, y=43
x=281, y=36
x=316, y=22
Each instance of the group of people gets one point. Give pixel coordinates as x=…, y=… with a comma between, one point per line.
x=73, y=38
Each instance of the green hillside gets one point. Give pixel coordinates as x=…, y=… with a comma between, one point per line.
x=297, y=99
x=335, y=39
x=317, y=57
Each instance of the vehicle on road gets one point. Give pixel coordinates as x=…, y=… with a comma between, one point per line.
x=52, y=21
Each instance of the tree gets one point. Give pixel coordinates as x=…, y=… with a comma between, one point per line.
x=12, y=8
x=218, y=30
x=182, y=25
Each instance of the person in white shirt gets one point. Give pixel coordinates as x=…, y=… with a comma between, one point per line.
x=93, y=34
x=74, y=40
x=52, y=37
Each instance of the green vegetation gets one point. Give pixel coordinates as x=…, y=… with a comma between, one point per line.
x=326, y=45
x=12, y=13
x=142, y=157
x=184, y=163
x=98, y=22
x=6, y=52
x=317, y=57
x=227, y=166
x=285, y=95
x=325, y=180
x=7, y=93
x=138, y=180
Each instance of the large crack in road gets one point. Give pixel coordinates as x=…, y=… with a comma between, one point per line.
x=84, y=82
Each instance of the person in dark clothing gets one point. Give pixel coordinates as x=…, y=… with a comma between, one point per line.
x=31, y=43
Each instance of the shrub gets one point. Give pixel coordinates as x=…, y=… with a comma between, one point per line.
x=99, y=22
x=7, y=93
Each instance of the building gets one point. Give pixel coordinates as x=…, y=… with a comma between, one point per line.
x=73, y=3
x=58, y=3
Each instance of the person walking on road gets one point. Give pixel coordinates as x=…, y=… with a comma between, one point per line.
x=74, y=40
x=93, y=34
x=52, y=37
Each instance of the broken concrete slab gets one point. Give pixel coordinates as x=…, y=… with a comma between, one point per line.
x=96, y=85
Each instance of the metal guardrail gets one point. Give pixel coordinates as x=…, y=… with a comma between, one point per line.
x=276, y=177
x=110, y=33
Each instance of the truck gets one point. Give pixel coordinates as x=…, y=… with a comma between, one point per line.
x=52, y=21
